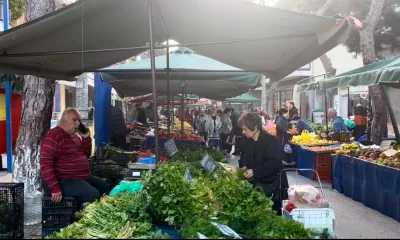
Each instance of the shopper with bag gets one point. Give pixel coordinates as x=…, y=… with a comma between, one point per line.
x=262, y=161
x=282, y=136
x=201, y=124
x=226, y=131
x=213, y=128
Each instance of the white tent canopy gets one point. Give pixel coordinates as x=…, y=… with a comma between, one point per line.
x=251, y=37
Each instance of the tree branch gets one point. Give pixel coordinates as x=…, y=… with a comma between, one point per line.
x=324, y=9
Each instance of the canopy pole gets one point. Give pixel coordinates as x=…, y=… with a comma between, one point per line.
x=370, y=117
x=326, y=113
x=348, y=102
x=153, y=77
x=182, y=109
x=8, y=101
x=168, y=93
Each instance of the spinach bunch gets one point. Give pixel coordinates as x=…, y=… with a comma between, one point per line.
x=172, y=195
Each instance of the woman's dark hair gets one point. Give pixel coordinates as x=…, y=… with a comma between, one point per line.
x=282, y=111
x=227, y=109
x=251, y=121
x=296, y=117
x=267, y=117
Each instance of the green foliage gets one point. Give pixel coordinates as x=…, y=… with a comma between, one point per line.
x=202, y=226
x=121, y=217
x=387, y=31
x=17, y=8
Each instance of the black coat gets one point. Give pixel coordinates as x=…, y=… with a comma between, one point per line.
x=263, y=158
x=292, y=112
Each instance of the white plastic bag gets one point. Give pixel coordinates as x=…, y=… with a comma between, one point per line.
x=306, y=196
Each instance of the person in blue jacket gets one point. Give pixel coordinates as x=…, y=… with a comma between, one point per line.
x=337, y=121
x=302, y=125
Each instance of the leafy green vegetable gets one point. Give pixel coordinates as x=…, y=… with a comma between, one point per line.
x=203, y=226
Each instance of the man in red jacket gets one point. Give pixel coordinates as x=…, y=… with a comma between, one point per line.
x=64, y=162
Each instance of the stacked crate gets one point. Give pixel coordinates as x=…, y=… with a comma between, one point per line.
x=323, y=166
x=11, y=210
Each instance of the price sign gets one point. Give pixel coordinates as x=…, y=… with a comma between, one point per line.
x=171, y=148
x=227, y=231
x=385, y=145
x=208, y=163
x=188, y=176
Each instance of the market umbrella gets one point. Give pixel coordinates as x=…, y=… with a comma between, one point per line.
x=384, y=71
x=201, y=75
x=244, y=98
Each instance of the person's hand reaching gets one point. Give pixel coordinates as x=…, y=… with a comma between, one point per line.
x=56, y=197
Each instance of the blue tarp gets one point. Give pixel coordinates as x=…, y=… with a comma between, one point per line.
x=377, y=187
x=305, y=159
x=102, y=95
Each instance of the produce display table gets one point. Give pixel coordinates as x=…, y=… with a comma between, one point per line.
x=149, y=142
x=320, y=161
x=376, y=186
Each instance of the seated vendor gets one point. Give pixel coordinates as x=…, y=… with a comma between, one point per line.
x=64, y=162
x=302, y=125
x=337, y=121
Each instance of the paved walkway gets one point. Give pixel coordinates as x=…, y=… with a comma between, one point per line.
x=352, y=219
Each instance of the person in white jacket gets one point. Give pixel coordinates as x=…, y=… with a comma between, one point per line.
x=214, y=127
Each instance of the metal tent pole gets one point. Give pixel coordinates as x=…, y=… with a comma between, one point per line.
x=168, y=93
x=8, y=100
x=326, y=113
x=153, y=77
x=182, y=110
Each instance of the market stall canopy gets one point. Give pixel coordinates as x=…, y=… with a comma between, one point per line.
x=161, y=97
x=247, y=36
x=202, y=76
x=244, y=98
x=384, y=71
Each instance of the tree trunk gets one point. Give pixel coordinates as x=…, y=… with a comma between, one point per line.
x=367, y=45
x=367, y=41
x=379, y=120
x=270, y=98
x=36, y=110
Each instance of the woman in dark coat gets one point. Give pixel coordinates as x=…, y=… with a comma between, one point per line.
x=262, y=160
x=282, y=132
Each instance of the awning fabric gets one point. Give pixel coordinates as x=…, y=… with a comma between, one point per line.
x=280, y=41
x=244, y=98
x=160, y=97
x=384, y=71
x=203, y=76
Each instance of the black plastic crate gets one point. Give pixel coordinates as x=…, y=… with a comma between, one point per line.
x=109, y=170
x=11, y=210
x=58, y=215
x=49, y=231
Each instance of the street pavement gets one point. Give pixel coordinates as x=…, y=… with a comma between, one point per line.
x=352, y=219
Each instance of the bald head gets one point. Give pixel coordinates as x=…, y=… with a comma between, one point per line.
x=70, y=121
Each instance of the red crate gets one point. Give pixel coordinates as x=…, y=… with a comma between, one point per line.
x=323, y=159
x=324, y=172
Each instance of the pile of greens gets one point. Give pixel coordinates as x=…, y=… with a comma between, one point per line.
x=124, y=216
x=189, y=203
x=218, y=196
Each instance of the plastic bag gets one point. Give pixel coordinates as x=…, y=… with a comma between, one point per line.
x=125, y=186
x=148, y=160
x=349, y=124
x=306, y=196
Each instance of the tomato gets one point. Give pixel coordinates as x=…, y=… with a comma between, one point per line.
x=289, y=207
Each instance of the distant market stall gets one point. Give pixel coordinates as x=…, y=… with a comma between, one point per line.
x=365, y=174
